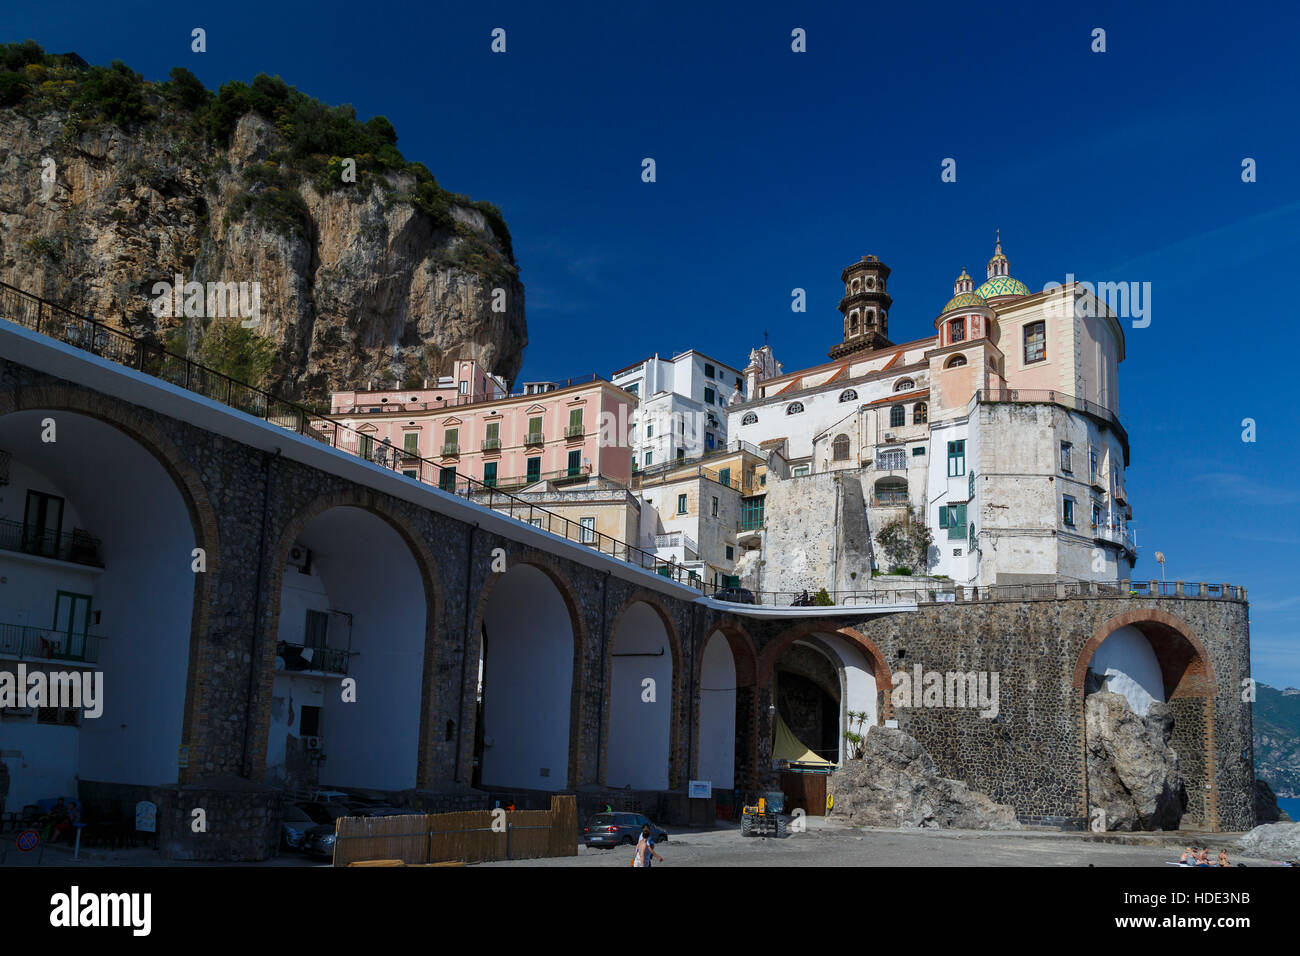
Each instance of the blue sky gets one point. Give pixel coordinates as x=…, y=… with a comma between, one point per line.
x=777, y=169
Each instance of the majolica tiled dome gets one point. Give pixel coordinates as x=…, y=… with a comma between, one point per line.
x=1001, y=285
x=964, y=300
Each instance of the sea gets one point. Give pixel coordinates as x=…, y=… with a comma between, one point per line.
x=1291, y=805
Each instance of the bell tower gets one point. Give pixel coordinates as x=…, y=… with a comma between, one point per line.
x=865, y=307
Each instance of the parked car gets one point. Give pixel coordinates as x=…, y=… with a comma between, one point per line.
x=736, y=595
x=318, y=842
x=294, y=824
x=617, y=829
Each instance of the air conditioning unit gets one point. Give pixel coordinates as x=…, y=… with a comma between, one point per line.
x=300, y=558
x=889, y=436
x=311, y=743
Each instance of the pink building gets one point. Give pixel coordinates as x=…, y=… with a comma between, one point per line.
x=471, y=428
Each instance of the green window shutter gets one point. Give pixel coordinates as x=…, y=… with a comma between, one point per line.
x=493, y=431
x=575, y=418
x=724, y=476
x=490, y=474
x=534, y=470
x=970, y=486
x=411, y=442
x=943, y=517
x=956, y=522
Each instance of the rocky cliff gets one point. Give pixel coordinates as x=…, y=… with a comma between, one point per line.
x=366, y=270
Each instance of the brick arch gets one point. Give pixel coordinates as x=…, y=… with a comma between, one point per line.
x=203, y=520
x=549, y=565
x=879, y=665
x=381, y=507
x=745, y=659
x=1186, y=671
x=652, y=600
x=1184, y=662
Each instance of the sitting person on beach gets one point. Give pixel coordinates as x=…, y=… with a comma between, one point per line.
x=1203, y=858
x=1188, y=858
x=1223, y=858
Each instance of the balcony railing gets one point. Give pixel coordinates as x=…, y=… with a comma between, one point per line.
x=46, y=644
x=61, y=324
x=491, y=444
x=676, y=539
x=300, y=657
x=76, y=546
x=534, y=439
x=574, y=431
x=890, y=499
x=1115, y=535
x=450, y=451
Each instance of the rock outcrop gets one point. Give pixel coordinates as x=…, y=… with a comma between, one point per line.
x=1266, y=808
x=1132, y=771
x=358, y=282
x=897, y=784
x=1272, y=841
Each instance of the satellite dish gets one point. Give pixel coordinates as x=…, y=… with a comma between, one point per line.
x=1160, y=557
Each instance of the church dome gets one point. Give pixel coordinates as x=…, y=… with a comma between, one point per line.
x=964, y=300
x=1001, y=285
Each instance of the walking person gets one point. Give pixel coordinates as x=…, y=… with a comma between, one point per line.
x=645, y=849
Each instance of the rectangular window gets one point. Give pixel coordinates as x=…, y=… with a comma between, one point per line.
x=575, y=423
x=1065, y=457
x=715, y=506
x=451, y=438
x=309, y=721
x=958, y=327
x=366, y=446
x=534, y=470
x=588, y=530
x=494, y=434
x=535, y=430
x=708, y=396
x=893, y=460
x=681, y=504
x=708, y=372
x=411, y=443
x=464, y=388
x=953, y=517
x=410, y=473
x=490, y=474
x=800, y=471
x=633, y=389
x=316, y=629
x=970, y=486
x=649, y=430
x=724, y=476
x=1035, y=342
x=42, y=523
x=575, y=462
x=1096, y=517
x=1092, y=464
x=447, y=479
x=681, y=453
x=1067, y=511
x=731, y=553
x=649, y=458
x=751, y=513
x=709, y=440
x=918, y=451
x=957, y=458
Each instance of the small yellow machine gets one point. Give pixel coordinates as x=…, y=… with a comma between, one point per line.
x=760, y=821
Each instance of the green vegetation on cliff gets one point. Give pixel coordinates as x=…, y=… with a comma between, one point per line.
x=1276, y=719
x=318, y=139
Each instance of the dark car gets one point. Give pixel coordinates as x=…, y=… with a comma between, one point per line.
x=294, y=824
x=736, y=595
x=617, y=829
x=318, y=842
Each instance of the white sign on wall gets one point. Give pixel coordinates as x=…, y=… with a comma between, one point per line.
x=702, y=789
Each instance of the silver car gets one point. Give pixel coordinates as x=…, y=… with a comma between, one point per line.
x=618, y=829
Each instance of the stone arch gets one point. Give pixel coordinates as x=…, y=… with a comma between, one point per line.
x=879, y=665
x=1188, y=676
x=203, y=521
x=383, y=508
x=745, y=658
x=651, y=600
x=550, y=566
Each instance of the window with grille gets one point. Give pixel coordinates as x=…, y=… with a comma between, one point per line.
x=893, y=460
x=897, y=416
x=840, y=448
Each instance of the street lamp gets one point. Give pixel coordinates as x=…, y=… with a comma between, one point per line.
x=1160, y=559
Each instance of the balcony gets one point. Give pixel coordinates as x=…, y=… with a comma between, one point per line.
x=325, y=660
x=890, y=499
x=575, y=431
x=676, y=539
x=1115, y=535
x=46, y=644
x=534, y=440
x=491, y=444
x=451, y=451
x=76, y=546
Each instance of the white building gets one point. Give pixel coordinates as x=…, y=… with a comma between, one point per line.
x=683, y=406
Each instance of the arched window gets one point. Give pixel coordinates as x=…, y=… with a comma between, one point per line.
x=840, y=448
x=897, y=416
x=957, y=361
x=919, y=413
x=794, y=408
x=848, y=395
x=853, y=321
x=871, y=283
x=750, y=419
x=855, y=285
x=903, y=384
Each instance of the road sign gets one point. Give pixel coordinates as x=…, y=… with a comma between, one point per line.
x=28, y=840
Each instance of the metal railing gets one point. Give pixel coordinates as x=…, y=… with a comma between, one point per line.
x=47, y=644
x=450, y=451
x=302, y=657
x=952, y=593
x=57, y=322
x=574, y=431
x=491, y=444
x=898, y=499
x=76, y=546
x=534, y=438
x=676, y=539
